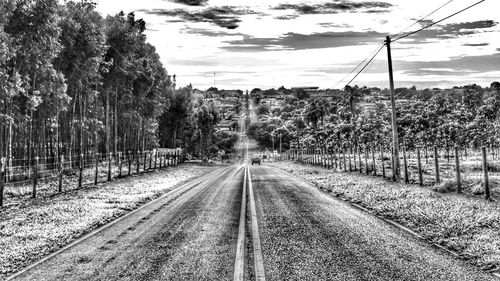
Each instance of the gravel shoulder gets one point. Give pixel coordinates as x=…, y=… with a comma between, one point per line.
x=307, y=234
x=32, y=230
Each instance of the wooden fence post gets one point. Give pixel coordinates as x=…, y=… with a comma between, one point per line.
x=419, y=164
x=2, y=173
x=35, y=177
x=485, y=174
x=150, y=159
x=80, y=172
x=367, y=168
x=156, y=157
x=374, y=168
x=96, y=160
x=109, y=165
x=359, y=157
x=137, y=162
x=61, y=171
x=405, y=162
x=129, y=158
x=436, y=164
x=457, y=168
x=145, y=160
x=353, y=152
x=120, y=164
x=382, y=160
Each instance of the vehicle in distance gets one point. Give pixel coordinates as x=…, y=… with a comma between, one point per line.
x=255, y=159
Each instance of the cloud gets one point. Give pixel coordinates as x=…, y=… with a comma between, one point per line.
x=208, y=32
x=287, y=17
x=337, y=7
x=296, y=41
x=192, y=2
x=224, y=16
x=476, y=44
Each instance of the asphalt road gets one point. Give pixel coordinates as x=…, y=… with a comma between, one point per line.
x=305, y=234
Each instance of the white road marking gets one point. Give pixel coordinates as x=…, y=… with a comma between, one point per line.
x=257, y=250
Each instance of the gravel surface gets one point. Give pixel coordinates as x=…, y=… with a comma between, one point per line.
x=189, y=234
x=307, y=234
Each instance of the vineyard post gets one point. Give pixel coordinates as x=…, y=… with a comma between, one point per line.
x=137, y=161
x=447, y=153
x=382, y=160
x=457, y=169
x=145, y=160
x=129, y=158
x=96, y=160
x=426, y=155
x=35, y=177
x=374, y=168
x=9, y=171
x=161, y=159
x=109, y=165
x=120, y=164
x=80, y=172
x=2, y=172
x=359, y=157
x=485, y=174
x=436, y=164
x=150, y=159
x=367, y=170
x=61, y=161
x=419, y=166
x=344, y=161
x=350, y=164
x=405, y=162
x=335, y=158
x=156, y=157
x=351, y=151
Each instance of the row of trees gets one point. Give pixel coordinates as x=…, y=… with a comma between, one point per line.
x=464, y=116
x=73, y=81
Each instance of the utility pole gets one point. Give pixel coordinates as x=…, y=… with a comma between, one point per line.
x=395, y=141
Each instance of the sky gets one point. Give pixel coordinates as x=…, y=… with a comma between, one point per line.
x=271, y=43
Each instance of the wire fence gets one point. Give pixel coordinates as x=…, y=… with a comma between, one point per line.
x=475, y=171
x=50, y=175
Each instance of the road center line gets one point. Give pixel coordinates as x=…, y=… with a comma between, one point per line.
x=239, y=264
x=257, y=250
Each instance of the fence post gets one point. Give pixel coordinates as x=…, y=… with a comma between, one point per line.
x=485, y=174
x=109, y=165
x=150, y=159
x=457, y=168
x=61, y=170
x=382, y=160
x=96, y=160
x=359, y=158
x=419, y=164
x=426, y=155
x=120, y=164
x=436, y=164
x=129, y=158
x=156, y=157
x=405, y=162
x=35, y=177
x=137, y=161
x=374, y=166
x=350, y=164
x=367, y=170
x=80, y=167
x=2, y=173
x=145, y=160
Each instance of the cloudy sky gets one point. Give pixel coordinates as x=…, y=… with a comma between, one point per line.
x=270, y=43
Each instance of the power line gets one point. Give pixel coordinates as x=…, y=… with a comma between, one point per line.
x=354, y=69
x=368, y=63
x=434, y=23
x=423, y=18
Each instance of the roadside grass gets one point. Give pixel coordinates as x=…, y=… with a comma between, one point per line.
x=33, y=228
x=465, y=224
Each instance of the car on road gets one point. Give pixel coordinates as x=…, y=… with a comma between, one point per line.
x=255, y=159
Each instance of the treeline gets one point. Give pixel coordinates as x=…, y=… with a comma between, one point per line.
x=75, y=82
x=465, y=116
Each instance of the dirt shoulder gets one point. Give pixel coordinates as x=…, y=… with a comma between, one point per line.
x=462, y=224
x=31, y=230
